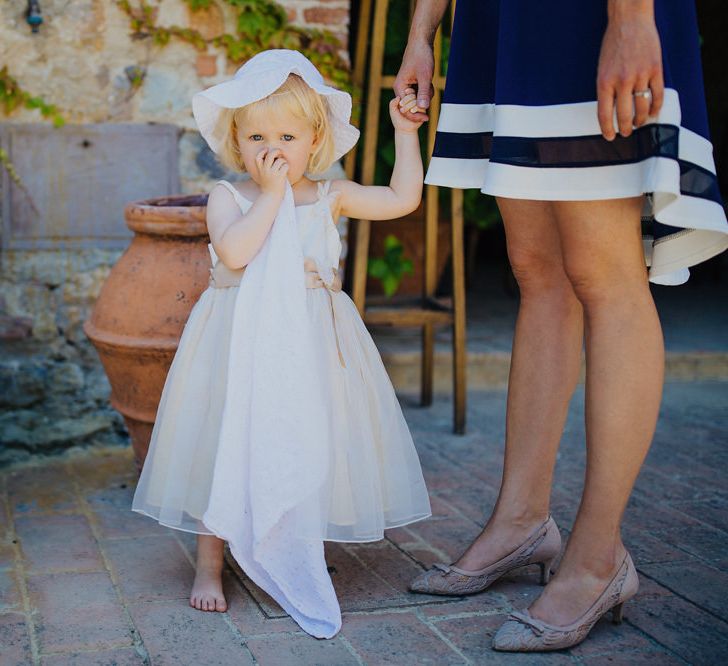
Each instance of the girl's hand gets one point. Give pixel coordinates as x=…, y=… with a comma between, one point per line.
x=418, y=64
x=272, y=171
x=630, y=61
x=401, y=112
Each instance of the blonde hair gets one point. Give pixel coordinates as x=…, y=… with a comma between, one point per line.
x=294, y=96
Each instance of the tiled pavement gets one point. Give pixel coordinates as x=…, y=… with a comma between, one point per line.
x=83, y=580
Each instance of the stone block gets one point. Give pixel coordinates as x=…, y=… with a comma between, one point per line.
x=151, y=568
x=15, y=328
x=40, y=432
x=96, y=620
x=58, y=542
x=119, y=523
x=286, y=649
x=175, y=633
x=65, y=378
x=395, y=638
x=208, y=21
x=41, y=489
x=22, y=383
x=328, y=16
x=113, y=657
x=357, y=587
x=678, y=625
x=206, y=64
x=15, y=640
x=647, y=657
x=10, y=597
x=695, y=581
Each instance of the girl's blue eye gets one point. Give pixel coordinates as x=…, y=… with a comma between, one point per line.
x=256, y=137
x=288, y=137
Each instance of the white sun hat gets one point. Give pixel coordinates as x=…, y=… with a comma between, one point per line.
x=262, y=75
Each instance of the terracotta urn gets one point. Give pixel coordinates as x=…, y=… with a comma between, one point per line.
x=144, y=303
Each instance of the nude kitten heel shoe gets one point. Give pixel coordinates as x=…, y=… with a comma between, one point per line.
x=523, y=633
x=542, y=547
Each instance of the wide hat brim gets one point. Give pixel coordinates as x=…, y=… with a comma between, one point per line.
x=262, y=75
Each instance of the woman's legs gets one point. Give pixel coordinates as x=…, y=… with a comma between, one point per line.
x=544, y=371
x=207, y=592
x=603, y=257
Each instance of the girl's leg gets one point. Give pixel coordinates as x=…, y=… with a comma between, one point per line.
x=603, y=256
x=207, y=592
x=544, y=372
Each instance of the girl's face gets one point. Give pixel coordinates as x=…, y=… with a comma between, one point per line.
x=294, y=137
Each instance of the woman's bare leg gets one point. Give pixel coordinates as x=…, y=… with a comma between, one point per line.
x=602, y=251
x=207, y=591
x=544, y=371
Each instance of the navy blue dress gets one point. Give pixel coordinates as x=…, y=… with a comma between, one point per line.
x=519, y=119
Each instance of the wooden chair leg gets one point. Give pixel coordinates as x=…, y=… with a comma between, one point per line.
x=428, y=364
x=371, y=123
x=459, y=339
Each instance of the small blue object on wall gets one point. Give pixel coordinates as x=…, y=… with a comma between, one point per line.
x=33, y=15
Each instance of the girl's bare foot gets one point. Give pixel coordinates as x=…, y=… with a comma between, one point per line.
x=207, y=592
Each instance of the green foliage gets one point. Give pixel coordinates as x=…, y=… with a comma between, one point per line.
x=260, y=25
x=10, y=168
x=13, y=96
x=480, y=209
x=391, y=268
x=194, y=5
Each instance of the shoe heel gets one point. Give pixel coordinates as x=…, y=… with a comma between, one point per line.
x=546, y=571
x=618, y=614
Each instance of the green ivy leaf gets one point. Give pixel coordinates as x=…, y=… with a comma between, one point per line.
x=390, y=268
x=390, y=284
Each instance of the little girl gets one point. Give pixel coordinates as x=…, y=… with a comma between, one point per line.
x=278, y=427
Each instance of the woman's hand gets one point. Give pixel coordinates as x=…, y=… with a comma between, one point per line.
x=404, y=118
x=272, y=171
x=418, y=65
x=630, y=61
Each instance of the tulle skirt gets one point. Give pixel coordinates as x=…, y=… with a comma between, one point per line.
x=375, y=480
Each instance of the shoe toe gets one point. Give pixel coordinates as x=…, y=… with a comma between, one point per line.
x=512, y=636
x=419, y=584
x=428, y=582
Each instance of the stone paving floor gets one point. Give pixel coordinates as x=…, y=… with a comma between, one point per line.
x=83, y=580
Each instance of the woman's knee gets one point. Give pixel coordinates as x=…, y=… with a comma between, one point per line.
x=597, y=280
x=537, y=270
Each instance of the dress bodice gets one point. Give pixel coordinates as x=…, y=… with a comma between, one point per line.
x=317, y=232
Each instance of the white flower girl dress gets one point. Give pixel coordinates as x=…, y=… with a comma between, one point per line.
x=278, y=426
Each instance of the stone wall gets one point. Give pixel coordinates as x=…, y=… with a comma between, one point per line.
x=53, y=391
x=84, y=54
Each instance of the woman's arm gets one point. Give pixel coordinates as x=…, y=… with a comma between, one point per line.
x=403, y=195
x=237, y=238
x=418, y=62
x=630, y=61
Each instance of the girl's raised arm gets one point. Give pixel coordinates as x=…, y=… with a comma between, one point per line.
x=237, y=237
x=404, y=192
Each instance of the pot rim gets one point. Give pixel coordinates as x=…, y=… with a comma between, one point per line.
x=162, y=216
